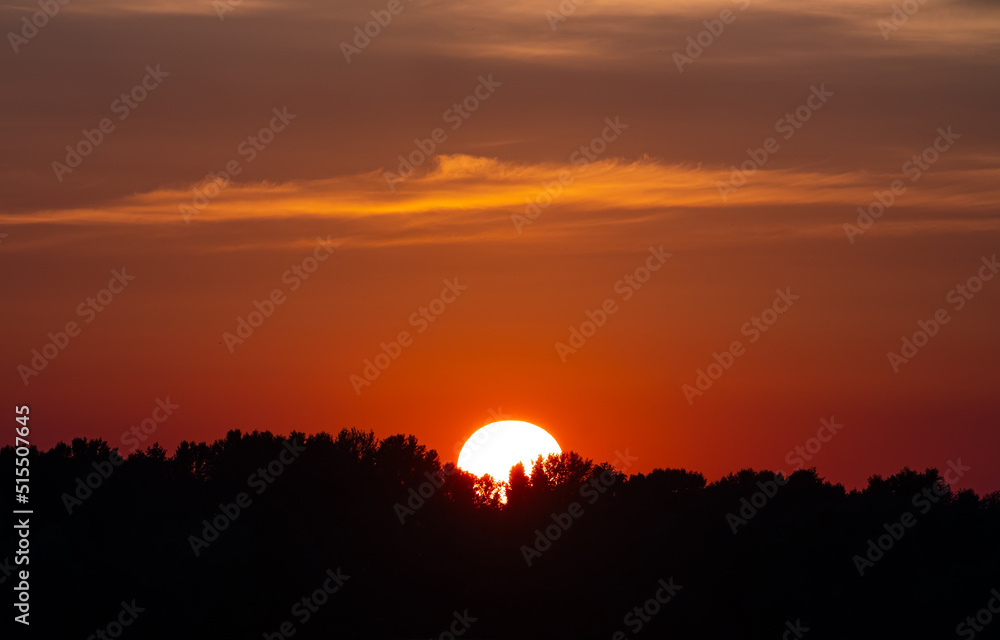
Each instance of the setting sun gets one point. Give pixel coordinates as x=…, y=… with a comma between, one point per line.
x=498, y=446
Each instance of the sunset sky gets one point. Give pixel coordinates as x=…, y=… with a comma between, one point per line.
x=605, y=109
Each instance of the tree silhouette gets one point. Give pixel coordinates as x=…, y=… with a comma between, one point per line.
x=603, y=543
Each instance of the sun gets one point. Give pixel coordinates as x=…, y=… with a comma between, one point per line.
x=498, y=446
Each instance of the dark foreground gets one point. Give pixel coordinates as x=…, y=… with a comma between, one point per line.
x=258, y=536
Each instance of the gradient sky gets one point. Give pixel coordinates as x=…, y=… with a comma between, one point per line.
x=492, y=351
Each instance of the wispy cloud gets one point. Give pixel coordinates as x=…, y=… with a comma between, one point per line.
x=463, y=198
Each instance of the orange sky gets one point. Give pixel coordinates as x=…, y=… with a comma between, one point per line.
x=836, y=109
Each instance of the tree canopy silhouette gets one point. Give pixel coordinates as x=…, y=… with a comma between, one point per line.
x=422, y=541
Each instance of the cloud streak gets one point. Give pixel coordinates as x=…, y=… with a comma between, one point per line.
x=464, y=198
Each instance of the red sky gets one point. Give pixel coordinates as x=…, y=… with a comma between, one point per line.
x=543, y=92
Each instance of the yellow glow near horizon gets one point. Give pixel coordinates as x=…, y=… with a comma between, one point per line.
x=498, y=446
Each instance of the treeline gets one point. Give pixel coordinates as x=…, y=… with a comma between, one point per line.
x=319, y=536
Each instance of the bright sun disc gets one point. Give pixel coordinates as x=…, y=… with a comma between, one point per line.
x=498, y=446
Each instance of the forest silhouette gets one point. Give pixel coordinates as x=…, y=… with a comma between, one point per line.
x=225, y=540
